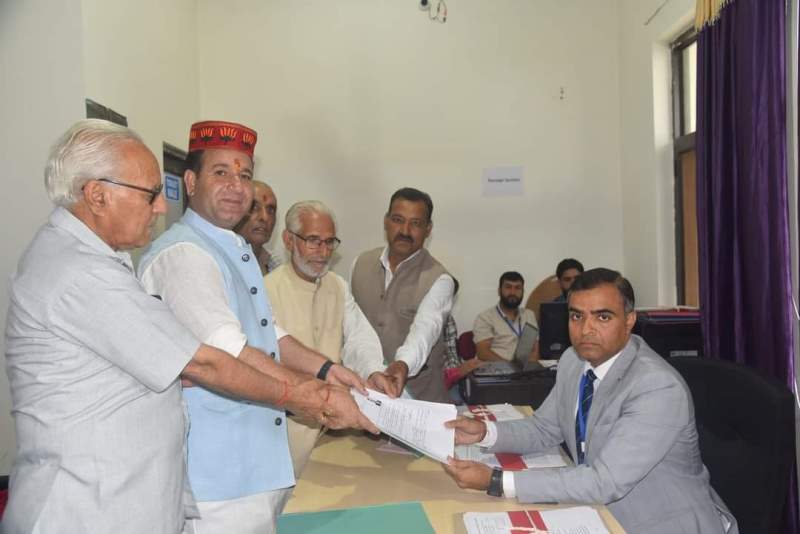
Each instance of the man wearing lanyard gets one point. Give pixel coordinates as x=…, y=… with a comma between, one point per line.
x=497, y=330
x=626, y=417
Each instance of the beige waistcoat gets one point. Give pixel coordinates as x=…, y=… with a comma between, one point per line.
x=313, y=313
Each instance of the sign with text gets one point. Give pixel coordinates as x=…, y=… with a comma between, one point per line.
x=502, y=182
x=172, y=187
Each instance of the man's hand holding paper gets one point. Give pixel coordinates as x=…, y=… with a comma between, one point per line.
x=418, y=424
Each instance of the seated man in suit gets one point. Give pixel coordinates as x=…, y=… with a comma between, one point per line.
x=567, y=271
x=497, y=330
x=315, y=306
x=628, y=421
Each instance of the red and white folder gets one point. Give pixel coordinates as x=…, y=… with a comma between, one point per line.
x=574, y=520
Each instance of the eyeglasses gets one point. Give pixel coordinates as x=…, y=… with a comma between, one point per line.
x=153, y=192
x=314, y=242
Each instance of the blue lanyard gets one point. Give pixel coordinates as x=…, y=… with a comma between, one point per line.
x=517, y=331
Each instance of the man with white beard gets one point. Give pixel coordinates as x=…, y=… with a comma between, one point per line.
x=317, y=308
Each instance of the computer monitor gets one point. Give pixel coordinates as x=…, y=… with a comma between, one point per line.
x=553, y=329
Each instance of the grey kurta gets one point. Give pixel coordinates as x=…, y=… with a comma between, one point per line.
x=92, y=360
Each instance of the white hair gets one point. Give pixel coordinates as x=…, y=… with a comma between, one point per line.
x=303, y=207
x=87, y=151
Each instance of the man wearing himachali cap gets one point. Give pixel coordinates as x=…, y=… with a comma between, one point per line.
x=93, y=360
x=239, y=465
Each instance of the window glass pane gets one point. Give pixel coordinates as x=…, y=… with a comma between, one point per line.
x=689, y=88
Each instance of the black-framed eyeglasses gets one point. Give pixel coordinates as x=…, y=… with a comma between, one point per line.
x=314, y=242
x=153, y=192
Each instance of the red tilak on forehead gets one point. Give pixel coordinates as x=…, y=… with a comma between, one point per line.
x=237, y=165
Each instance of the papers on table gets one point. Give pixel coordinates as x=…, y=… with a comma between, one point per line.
x=493, y=412
x=507, y=461
x=575, y=520
x=418, y=424
x=510, y=461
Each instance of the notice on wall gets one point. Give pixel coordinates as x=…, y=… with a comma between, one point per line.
x=502, y=182
x=172, y=187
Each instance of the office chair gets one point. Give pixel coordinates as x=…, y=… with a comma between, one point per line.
x=465, y=346
x=745, y=422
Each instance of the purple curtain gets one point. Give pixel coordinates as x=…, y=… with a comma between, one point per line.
x=742, y=208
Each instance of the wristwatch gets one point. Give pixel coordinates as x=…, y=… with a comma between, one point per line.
x=496, y=483
x=322, y=374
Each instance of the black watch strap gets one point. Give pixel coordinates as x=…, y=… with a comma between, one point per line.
x=322, y=374
x=496, y=483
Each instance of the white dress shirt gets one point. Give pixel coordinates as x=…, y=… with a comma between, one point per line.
x=189, y=280
x=361, y=351
x=426, y=329
x=509, y=489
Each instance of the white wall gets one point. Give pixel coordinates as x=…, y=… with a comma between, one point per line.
x=41, y=94
x=355, y=99
x=140, y=60
x=647, y=173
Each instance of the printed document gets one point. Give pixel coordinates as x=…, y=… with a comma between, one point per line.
x=418, y=424
x=575, y=520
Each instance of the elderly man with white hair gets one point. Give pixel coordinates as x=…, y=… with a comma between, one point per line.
x=315, y=306
x=93, y=360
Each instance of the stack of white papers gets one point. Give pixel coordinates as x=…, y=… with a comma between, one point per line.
x=510, y=461
x=575, y=520
x=493, y=412
x=418, y=424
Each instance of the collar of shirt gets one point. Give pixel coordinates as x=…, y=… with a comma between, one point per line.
x=215, y=232
x=64, y=219
x=388, y=268
x=601, y=370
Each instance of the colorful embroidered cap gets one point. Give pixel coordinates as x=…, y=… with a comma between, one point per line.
x=221, y=134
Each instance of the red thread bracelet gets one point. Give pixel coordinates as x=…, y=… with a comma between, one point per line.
x=285, y=395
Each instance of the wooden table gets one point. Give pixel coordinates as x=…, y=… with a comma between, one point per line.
x=346, y=471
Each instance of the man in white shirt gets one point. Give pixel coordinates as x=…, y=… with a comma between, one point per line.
x=316, y=307
x=627, y=419
x=498, y=329
x=407, y=295
x=93, y=360
x=238, y=456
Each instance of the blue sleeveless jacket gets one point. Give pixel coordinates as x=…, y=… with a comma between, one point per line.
x=235, y=448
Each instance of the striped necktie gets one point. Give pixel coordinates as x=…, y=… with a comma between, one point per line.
x=582, y=417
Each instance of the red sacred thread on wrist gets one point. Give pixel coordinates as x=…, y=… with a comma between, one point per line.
x=285, y=395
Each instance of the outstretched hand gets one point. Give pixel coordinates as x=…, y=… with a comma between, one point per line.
x=342, y=376
x=468, y=430
x=468, y=474
x=341, y=411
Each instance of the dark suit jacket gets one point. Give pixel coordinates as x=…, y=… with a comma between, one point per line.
x=642, y=455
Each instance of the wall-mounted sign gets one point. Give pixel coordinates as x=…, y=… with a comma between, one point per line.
x=502, y=182
x=172, y=187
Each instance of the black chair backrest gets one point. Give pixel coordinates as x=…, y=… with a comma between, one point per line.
x=745, y=422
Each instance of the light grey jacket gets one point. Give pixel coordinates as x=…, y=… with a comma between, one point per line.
x=642, y=455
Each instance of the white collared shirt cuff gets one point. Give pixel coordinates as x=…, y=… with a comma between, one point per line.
x=509, y=490
x=279, y=332
x=227, y=338
x=491, y=435
x=426, y=329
